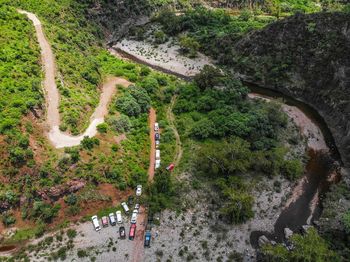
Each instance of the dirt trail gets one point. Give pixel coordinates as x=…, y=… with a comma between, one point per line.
x=58, y=138
x=171, y=119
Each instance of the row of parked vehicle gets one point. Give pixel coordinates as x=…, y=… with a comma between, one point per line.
x=157, y=139
x=118, y=219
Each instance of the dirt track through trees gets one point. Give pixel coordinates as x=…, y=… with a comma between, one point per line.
x=171, y=119
x=60, y=139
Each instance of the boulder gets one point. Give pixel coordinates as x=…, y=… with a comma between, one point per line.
x=305, y=228
x=287, y=233
x=263, y=240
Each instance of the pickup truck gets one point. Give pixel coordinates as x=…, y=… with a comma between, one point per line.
x=148, y=236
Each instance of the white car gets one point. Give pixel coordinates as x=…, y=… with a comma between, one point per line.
x=119, y=217
x=137, y=206
x=157, y=143
x=135, y=211
x=156, y=126
x=157, y=164
x=96, y=223
x=112, y=219
x=134, y=217
x=125, y=207
x=138, y=190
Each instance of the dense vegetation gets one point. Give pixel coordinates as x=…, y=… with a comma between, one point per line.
x=308, y=247
x=234, y=137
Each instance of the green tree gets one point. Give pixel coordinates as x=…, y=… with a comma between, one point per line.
x=189, y=45
x=208, y=77
x=308, y=247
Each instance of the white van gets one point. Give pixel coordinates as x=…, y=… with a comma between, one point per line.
x=158, y=154
x=125, y=207
x=134, y=217
x=156, y=126
x=119, y=217
x=157, y=164
x=96, y=223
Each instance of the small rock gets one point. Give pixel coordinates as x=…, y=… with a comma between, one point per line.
x=287, y=233
x=263, y=240
x=306, y=228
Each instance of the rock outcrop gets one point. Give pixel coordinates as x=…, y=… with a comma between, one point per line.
x=306, y=57
x=54, y=193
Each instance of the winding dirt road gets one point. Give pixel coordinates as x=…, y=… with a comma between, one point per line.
x=57, y=138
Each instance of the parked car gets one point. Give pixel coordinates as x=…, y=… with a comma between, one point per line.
x=156, y=126
x=157, y=136
x=157, y=143
x=157, y=164
x=158, y=154
x=138, y=190
x=96, y=224
x=112, y=219
x=104, y=221
x=119, y=217
x=148, y=236
x=132, y=232
x=137, y=206
x=133, y=219
x=130, y=200
x=170, y=167
x=122, y=232
x=125, y=207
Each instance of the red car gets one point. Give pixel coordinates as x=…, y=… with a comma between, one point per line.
x=132, y=232
x=170, y=167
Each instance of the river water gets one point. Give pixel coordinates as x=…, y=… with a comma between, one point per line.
x=322, y=169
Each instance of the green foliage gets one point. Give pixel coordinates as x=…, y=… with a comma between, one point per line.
x=82, y=253
x=44, y=211
x=102, y=128
x=238, y=204
x=160, y=37
x=120, y=124
x=209, y=77
x=162, y=192
x=71, y=233
x=89, y=143
x=309, y=247
x=20, y=71
x=346, y=222
x=71, y=199
x=214, y=32
x=189, y=45
x=8, y=219
x=134, y=101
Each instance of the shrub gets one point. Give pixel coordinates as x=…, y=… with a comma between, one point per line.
x=120, y=124
x=71, y=233
x=102, y=128
x=89, y=143
x=82, y=253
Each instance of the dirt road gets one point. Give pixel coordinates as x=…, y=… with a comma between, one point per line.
x=171, y=119
x=138, y=251
x=58, y=138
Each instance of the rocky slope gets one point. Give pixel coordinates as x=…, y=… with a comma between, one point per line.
x=306, y=57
